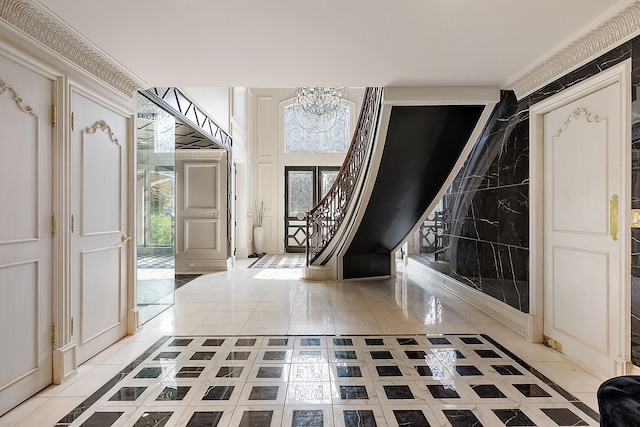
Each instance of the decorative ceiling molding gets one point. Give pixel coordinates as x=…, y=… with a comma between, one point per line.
x=604, y=37
x=32, y=20
x=199, y=154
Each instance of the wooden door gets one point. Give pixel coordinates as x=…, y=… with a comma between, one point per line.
x=584, y=166
x=25, y=234
x=99, y=239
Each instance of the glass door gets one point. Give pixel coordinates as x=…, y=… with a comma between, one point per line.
x=305, y=186
x=155, y=209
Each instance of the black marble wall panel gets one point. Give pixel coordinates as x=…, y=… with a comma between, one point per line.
x=488, y=202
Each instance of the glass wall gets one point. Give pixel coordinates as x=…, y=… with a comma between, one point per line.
x=155, y=209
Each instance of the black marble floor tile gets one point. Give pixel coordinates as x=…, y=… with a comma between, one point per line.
x=267, y=392
x=345, y=355
x=230, y=372
x=167, y=355
x=407, y=341
x=564, y=417
x=471, y=340
x=310, y=341
x=220, y=392
x=205, y=419
x=101, y=419
x=348, y=371
x=153, y=372
x=389, y=371
x=439, y=391
x=269, y=372
x=416, y=354
x=462, y=418
x=488, y=354
x=203, y=355
x=342, y=341
x=190, y=372
x=374, y=341
x=468, y=370
x=531, y=390
x=246, y=342
x=359, y=418
x=278, y=342
x=398, y=392
x=174, y=393
x=413, y=418
x=127, y=394
x=307, y=418
x=439, y=341
x=506, y=370
x=488, y=391
x=353, y=392
x=274, y=355
x=239, y=355
x=381, y=354
x=256, y=419
x=513, y=417
x=181, y=342
x=213, y=342
x=424, y=371
x=153, y=419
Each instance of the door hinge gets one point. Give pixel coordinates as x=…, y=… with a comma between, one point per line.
x=73, y=224
x=54, y=335
x=72, y=326
x=73, y=121
x=54, y=115
x=550, y=342
x=54, y=227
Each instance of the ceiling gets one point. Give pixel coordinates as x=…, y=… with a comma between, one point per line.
x=357, y=43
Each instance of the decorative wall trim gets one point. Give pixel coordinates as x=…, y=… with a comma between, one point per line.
x=4, y=87
x=32, y=20
x=198, y=154
x=575, y=115
x=604, y=37
x=103, y=126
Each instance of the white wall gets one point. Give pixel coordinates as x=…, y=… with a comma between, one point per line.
x=269, y=159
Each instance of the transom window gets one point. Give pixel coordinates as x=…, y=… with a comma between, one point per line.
x=299, y=136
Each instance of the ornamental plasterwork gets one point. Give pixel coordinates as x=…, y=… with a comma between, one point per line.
x=4, y=87
x=103, y=126
x=199, y=154
x=35, y=22
x=604, y=37
x=575, y=115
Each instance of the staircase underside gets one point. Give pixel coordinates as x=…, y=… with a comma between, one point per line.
x=422, y=146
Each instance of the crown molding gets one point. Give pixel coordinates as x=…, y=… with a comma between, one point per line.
x=613, y=31
x=199, y=154
x=39, y=24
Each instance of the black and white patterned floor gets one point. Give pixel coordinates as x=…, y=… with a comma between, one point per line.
x=382, y=380
x=280, y=261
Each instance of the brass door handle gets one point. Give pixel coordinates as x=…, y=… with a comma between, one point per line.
x=125, y=238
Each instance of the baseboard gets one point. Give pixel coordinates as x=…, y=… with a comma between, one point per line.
x=519, y=322
x=198, y=266
x=64, y=363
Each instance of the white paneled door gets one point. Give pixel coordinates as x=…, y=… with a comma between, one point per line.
x=25, y=234
x=584, y=173
x=100, y=237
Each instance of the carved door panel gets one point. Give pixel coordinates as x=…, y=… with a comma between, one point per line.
x=99, y=239
x=26, y=233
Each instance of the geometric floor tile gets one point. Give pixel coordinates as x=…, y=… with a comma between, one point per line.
x=457, y=380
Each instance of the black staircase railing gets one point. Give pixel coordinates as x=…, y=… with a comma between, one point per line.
x=324, y=220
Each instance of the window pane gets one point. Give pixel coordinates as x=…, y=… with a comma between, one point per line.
x=300, y=192
x=328, y=177
x=297, y=139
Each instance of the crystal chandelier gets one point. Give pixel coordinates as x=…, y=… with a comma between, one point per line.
x=318, y=109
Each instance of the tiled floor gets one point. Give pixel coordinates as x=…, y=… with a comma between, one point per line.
x=272, y=304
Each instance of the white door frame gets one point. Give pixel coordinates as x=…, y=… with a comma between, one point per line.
x=621, y=320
